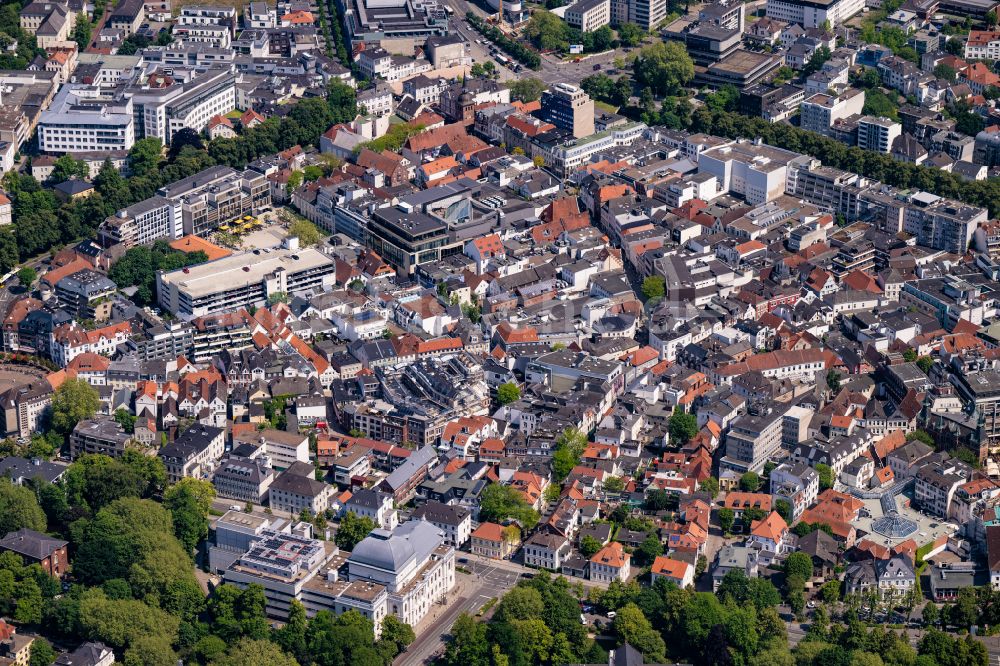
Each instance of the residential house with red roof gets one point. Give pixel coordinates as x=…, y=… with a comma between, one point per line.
x=678, y=572
x=611, y=563
x=495, y=541
x=484, y=250
x=771, y=538
x=70, y=340
x=466, y=433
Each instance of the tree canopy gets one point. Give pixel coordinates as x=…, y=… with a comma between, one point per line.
x=353, y=528
x=664, y=67
x=75, y=400
x=19, y=509
x=682, y=427
x=569, y=448
x=508, y=393
x=499, y=503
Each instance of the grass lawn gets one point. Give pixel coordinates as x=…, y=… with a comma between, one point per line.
x=604, y=106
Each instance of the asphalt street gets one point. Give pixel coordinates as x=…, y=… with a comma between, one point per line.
x=472, y=592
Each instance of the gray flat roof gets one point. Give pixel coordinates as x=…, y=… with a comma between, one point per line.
x=237, y=269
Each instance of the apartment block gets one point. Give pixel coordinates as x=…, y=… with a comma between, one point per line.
x=943, y=224
x=751, y=441
x=83, y=120
x=215, y=196
x=983, y=45
x=101, y=434
x=588, y=15
x=821, y=111
x=189, y=101
x=569, y=108
x=814, y=13
x=194, y=453
x=877, y=134
x=143, y=223
x=754, y=171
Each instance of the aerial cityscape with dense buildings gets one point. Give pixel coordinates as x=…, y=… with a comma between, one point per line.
x=526, y=333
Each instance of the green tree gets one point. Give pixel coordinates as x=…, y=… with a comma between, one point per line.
x=614, y=484
x=830, y=591
x=650, y=548
x=469, y=645
x=920, y=436
x=27, y=276
x=82, y=31
x=833, y=380
x=122, y=622
x=396, y=633
x=825, y=476
x=75, y=400
x=629, y=34
x=131, y=539
x=991, y=19
x=499, y=503
x=145, y=157
x=484, y=70
x=632, y=627
x=682, y=427
x=784, y=509
x=343, y=101
x=570, y=445
x=710, y=486
x=604, y=38
x=925, y=363
x=726, y=98
x=508, y=393
x=654, y=287
x=877, y=103
x=234, y=613
x=547, y=31
x=783, y=75
x=112, y=186
x=521, y=603
x=189, y=502
x=306, y=232
x=796, y=601
x=930, y=614
x=292, y=636
x=352, y=530
x=125, y=420
x=726, y=520
x=799, y=564
x=818, y=59
x=750, y=482
x=66, y=168
x=19, y=509
x=41, y=652
x=589, y=546
x=964, y=612
x=664, y=67
x=250, y=652
x=528, y=89
x=945, y=72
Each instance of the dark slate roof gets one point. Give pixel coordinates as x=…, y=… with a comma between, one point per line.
x=31, y=544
